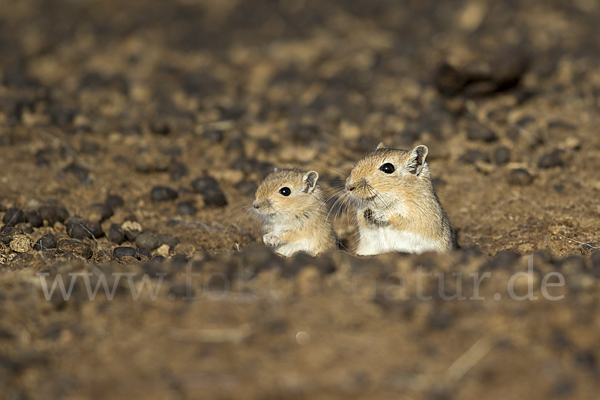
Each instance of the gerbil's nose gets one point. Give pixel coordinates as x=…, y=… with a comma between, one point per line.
x=256, y=205
x=350, y=187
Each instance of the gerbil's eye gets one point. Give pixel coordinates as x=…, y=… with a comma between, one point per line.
x=387, y=168
x=285, y=191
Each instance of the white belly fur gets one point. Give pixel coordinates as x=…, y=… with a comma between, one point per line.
x=289, y=249
x=385, y=239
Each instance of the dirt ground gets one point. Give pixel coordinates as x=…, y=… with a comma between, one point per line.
x=117, y=112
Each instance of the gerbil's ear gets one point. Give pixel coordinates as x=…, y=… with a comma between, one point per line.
x=416, y=159
x=380, y=146
x=309, y=181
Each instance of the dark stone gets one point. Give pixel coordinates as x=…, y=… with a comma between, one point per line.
x=62, y=115
x=7, y=233
x=120, y=252
x=13, y=216
x=147, y=240
x=131, y=235
x=209, y=188
x=163, y=193
x=115, y=234
x=81, y=173
x=80, y=229
x=178, y=171
x=104, y=210
x=48, y=214
x=501, y=155
x=114, y=201
x=186, y=208
x=246, y=187
x=551, y=160
x=559, y=187
x=586, y=359
x=88, y=147
x=160, y=127
x=519, y=177
x=258, y=257
x=244, y=164
x=472, y=156
x=168, y=239
x=76, y=247
x=34, y=218
x=24, y=227
x=482, y=77
x=266, y=144
x=46, y=242
x=481, y=133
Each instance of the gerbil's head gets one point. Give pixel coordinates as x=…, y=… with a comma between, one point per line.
x=287, y=193
x=389, y=173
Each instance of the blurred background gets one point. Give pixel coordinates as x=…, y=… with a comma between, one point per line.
x=168, y=114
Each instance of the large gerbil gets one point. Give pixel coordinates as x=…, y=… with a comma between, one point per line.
x=397, y=208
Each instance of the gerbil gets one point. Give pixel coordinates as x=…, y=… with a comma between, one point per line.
x=293, y=210
x=397, y=208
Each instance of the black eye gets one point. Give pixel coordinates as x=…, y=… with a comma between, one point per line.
x=285, y=191
x=387, y=168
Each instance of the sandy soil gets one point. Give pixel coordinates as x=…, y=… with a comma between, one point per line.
x=111, y=111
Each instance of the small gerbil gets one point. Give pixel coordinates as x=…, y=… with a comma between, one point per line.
x=293, y=209
x=397, y=208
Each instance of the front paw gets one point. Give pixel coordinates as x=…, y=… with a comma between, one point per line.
x=272, y=240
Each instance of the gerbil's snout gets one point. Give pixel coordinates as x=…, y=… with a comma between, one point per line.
x=350, y=187
x=256, y=204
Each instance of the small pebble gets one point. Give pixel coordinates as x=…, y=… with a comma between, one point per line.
x=168, y=239
x=209, y=188
x=551, y=160
x=520, y=177
x=116, y=234
x=186, y=208
x=163, y=250
x=132, y=229
x=114, y=201
x=163, y=193
x=104, y=210
x=46, y=242
x=125, y=251
x=186, y=249
x=178, y=171
x=14, y=216
x=76, y=247
x=472, y=156
x=34, y=218
x=148, y=241
x=481, y=133
x=24, y=227
x=20, y=243
x=501, y=155
x=50, y=215
x=81, y=173
x=7, y=233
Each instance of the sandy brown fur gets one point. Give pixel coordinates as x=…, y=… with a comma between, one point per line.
x=300, y=220
x=402, y=200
